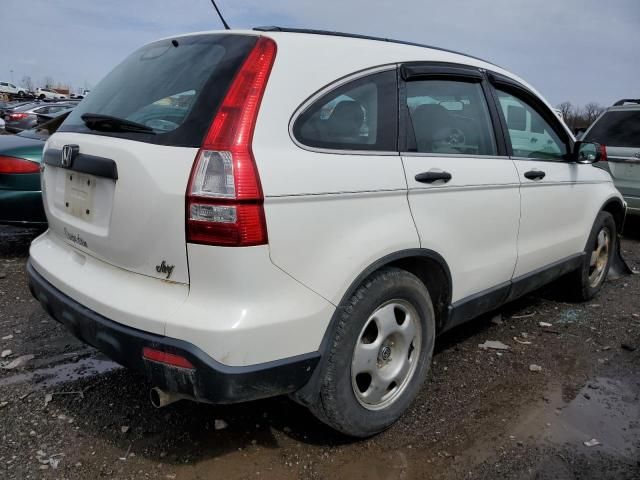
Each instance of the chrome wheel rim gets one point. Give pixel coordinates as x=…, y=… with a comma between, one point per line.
x=599, y=257
x=386, y=354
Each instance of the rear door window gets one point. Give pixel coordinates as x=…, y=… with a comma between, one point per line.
x=172, y=86
x=617, y=128
x=450, y=117
x=361, y=115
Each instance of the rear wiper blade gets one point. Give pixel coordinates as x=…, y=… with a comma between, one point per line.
x=96, y=121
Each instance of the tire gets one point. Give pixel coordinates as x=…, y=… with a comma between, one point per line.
x=41, y=97
x=399, y=354
x=21, y=94
x=587, y=281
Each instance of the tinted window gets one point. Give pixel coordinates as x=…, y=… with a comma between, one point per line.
x=617, y=128
x=450, y=117
x=174, y=87
x=531, y=135
x=361, y=115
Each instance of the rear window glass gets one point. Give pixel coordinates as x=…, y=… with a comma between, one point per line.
x=617, y=128
x=172, y=86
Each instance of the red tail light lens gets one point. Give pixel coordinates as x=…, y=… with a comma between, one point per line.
x=224, y=196
x=18, y=116
x=166, y=358
x=603, y=153
x=18, y=165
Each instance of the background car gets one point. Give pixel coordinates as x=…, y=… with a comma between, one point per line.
x=7, y=107
x=20, y=156
x=619, y=129
x=6, y=87
x=47, y=93
x=25, y=117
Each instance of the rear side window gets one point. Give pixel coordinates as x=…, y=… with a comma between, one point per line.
x=450, y=117
x=617, y=128
x=360, y=115
x=173, y=87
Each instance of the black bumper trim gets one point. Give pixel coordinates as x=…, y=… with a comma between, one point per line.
x=211, y=381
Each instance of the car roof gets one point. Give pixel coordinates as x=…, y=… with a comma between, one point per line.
x=359, y=36
x=352, y=54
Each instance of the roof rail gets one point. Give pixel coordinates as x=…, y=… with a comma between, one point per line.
x=363, y=37
x=619, y=103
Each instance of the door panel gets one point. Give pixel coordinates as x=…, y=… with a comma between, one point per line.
x=472, y=220
x=464, y=199
x=555, y=194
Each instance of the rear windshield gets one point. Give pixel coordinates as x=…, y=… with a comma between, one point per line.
x=617, y=128
x=173, y=87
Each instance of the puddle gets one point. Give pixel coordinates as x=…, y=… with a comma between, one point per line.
x=606, y=409
x=66, y=372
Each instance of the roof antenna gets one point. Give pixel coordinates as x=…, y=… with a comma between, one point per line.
x=226, y=26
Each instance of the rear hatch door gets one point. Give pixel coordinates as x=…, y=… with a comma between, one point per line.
x=116, y=172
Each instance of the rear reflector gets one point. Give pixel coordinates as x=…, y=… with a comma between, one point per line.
x=18, y=165
x=224, y=196
x=166, y=358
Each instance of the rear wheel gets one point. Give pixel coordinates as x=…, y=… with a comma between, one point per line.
x=379, y=355
x=587, y=281
x=41, y=97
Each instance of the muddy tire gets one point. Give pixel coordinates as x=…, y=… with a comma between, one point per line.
x=379, y=355
x=586, y=282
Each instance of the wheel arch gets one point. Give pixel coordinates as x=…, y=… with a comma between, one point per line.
x=432, y=270
x=429, y=266
x=616, y=208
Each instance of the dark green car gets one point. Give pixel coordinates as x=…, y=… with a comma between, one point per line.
x=20, y=194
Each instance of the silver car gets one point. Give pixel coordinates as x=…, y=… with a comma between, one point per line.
x=619, y=129
x=25, y=117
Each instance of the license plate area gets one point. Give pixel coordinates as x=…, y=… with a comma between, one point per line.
x=79, y=192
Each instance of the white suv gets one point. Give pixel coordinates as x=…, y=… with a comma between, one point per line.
x=49, y=94
x=304, y=212
x=6, y=87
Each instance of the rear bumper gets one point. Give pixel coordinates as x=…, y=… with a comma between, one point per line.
x=209, y=381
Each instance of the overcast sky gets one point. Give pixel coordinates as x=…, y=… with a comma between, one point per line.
x=576, y=50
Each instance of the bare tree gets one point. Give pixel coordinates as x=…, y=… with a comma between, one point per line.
x=592, y=110
x=566, y=109
x=27, y=83
x=48, y=81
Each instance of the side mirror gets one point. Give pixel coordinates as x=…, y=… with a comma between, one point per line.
x=588, y=152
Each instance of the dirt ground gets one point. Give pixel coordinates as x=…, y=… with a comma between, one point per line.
x=69, y=413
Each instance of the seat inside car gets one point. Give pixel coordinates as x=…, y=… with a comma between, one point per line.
x=428, y=120
x=345, y=122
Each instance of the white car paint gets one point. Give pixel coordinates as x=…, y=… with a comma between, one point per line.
x=8, y=87
x=329, y=216
x=49, y=94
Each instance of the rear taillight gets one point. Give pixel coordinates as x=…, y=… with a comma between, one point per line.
x=18, y=116
x=224, y=196
x=17, y=165
x=603, y=153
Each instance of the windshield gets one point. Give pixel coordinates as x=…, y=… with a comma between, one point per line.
x=173, y=87
x=617, y=128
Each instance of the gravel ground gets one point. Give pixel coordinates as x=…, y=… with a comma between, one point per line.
x=69, y=413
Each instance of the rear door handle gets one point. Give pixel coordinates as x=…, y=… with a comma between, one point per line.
x=433, y=176
x=535, y=175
